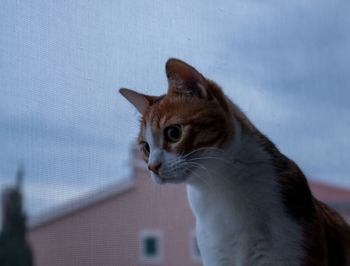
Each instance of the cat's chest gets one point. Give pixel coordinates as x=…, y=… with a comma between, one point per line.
x=226, y=235
x=243, y=228
x=232, y=247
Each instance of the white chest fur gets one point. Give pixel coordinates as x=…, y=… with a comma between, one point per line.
x=240, y=218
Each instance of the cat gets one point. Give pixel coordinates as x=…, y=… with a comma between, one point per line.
x=252, y=204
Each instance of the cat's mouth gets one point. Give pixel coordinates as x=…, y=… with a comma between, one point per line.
x=176, y=177
x=168, y=180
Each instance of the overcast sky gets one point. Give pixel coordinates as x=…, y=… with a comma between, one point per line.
x=285, y=63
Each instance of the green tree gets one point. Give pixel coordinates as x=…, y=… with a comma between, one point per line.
x=14, y=249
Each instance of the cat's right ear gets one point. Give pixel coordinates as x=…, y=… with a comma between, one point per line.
x=140, y=101
x=185, y=79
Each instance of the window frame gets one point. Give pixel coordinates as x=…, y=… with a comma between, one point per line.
x=156, y=233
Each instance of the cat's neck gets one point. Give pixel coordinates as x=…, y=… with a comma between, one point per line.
x=239, y=172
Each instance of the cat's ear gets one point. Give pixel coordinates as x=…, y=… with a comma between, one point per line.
x=140, y=101
x=185, y=79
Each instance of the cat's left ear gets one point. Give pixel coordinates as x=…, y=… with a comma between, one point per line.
x=140, y=101
x=185, y=79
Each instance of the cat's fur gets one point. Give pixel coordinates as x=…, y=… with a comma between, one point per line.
x=253, y=205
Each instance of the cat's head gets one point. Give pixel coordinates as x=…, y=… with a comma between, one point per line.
x=179, y=127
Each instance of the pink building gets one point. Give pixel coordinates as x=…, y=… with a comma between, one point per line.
x=134, y=222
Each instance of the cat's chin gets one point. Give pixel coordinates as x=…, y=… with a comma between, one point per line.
x=170, y=180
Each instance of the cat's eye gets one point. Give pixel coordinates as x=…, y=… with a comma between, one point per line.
x=173, y=133
x=146, y=149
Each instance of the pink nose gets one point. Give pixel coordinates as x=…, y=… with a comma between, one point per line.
x=154, y=167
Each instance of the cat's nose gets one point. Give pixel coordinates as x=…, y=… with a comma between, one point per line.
x=155, y=167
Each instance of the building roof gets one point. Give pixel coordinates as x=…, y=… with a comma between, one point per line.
x=81, y=202
x=336, y=197
x=329, y=193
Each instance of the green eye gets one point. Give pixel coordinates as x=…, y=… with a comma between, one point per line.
x=173, y=133
x=146, y=149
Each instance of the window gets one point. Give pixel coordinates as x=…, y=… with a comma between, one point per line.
x=195, y=252
x=151, y=246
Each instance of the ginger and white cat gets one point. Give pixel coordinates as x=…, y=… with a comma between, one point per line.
x=253, y=205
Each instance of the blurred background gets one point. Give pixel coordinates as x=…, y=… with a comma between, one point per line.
x=64, y=124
